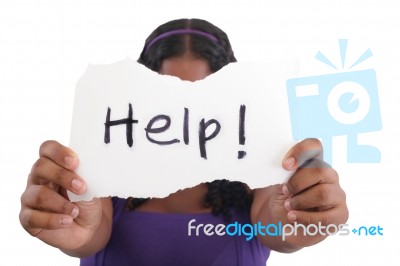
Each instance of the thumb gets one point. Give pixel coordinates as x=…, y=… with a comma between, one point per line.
x=302, y=152
x=90, y=212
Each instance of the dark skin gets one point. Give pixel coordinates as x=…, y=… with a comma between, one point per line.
x=80, y=229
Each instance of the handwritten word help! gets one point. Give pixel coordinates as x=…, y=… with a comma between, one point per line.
x=165, y=121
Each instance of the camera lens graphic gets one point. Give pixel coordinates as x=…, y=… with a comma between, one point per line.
x=348, y=102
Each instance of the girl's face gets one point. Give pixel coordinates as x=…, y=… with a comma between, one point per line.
x=186, y=67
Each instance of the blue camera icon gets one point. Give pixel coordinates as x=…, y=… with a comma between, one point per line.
x=345, y=103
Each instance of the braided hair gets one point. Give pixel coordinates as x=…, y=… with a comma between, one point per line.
x=217, y=53
x=222, y=195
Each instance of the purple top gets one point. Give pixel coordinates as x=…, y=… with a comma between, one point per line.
x=148, y=238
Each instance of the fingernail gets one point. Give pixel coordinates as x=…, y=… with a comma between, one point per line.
x=290, y=162
x=69, y=160
x=66, y=221
x=285, y=191
x=74, y=213
x=292, y=217
x=287, y=205
x=77, y=184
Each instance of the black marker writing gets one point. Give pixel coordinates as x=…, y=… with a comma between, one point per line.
x=202, y=134
x=242, y=137
x=186, y=127
x=161, y=123
x=149, y=129
x=129, y=126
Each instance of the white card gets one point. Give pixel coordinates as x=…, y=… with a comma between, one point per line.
x=141, y=134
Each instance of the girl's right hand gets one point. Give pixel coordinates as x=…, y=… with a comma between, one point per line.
x=46, y=211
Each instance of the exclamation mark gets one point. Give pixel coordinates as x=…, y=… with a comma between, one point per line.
x=242, y=137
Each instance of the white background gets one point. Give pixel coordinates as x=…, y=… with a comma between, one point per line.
x=46, y=45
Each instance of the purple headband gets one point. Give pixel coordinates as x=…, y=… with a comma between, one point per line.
x=180, y=31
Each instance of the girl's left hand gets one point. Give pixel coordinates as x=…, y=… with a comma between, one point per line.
x=312, y=195
x=313, y=192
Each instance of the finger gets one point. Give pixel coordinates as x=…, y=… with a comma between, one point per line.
x=43, y=198
x=336, y=215
x=302, y=152
x=322, y=196
x=46, y=171
x=59, y=154
x=34, y=221
x=316, y=172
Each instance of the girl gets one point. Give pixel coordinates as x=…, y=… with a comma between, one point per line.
x=115, y=231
